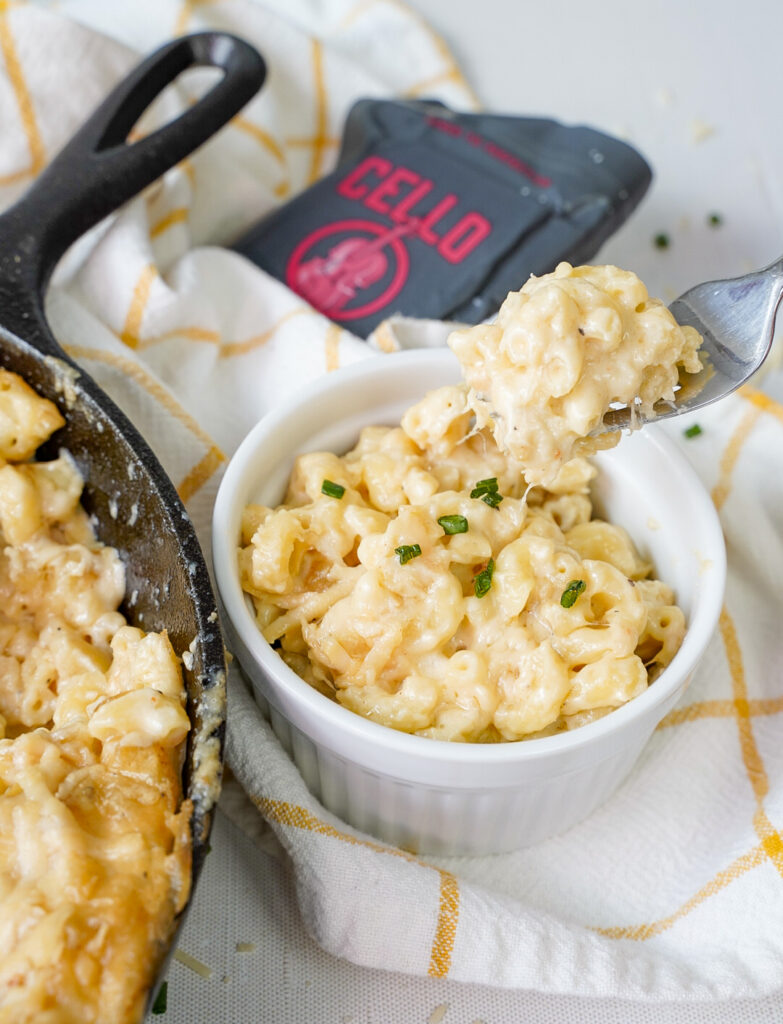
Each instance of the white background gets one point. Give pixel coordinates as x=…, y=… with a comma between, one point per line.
x=696, y=86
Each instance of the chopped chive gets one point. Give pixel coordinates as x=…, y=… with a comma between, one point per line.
x=571, y=593
x=407, y=552
x=483, y=580
x=332, y=489
x=661, y=241
x=487, y=491
x=453, y=524
x=714, y=220
x=487, y=486
x=492, y=498
x=161, y=999
x=693, y=430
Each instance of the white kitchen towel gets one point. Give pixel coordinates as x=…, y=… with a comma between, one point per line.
x=672, y=890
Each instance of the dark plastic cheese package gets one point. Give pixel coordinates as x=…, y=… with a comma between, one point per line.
x=438, y=214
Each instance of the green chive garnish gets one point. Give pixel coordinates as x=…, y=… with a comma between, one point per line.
x=407, y=552
x=661, y=241
x=332, y=489
x=483, y=580
x=714, y=220
x=159, y=1006
x=693, y=430
x=492, y=498
x=571, y=593
x=484, y=487
x=453, y=524
x=487, y=490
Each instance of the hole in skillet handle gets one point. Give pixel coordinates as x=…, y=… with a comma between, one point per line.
x=133, y=502
x=98, y=170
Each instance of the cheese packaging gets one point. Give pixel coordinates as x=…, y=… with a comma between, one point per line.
x=439, y=214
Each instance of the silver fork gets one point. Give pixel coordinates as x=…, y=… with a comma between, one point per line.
x=736, y=318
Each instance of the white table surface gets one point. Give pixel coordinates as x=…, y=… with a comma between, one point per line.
x=695, y=85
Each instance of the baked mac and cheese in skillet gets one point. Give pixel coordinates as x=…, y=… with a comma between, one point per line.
x=432, y=582
x=94, y=834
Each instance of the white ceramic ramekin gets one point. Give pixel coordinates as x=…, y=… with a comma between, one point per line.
x=431, y=796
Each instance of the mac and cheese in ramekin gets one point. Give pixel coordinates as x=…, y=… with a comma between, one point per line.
x=564, y=349
x=411, y=581
x=446, y=577
x=94, y=835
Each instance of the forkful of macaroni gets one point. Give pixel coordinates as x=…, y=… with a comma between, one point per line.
x=579, y=354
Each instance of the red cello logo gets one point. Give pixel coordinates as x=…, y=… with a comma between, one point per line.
x=350, y=268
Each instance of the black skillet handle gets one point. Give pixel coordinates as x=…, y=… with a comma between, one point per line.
x=98, y=170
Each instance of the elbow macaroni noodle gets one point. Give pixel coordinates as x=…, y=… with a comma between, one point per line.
x=94, y=836
x=371, y=601
x=564, y=349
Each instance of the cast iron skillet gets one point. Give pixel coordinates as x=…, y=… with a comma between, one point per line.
x=132, y=500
